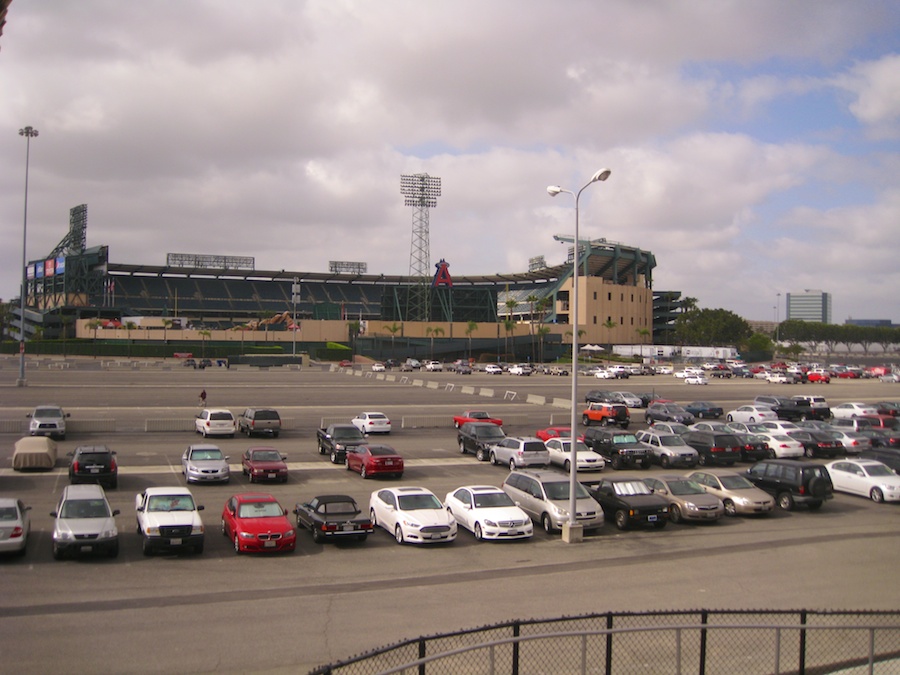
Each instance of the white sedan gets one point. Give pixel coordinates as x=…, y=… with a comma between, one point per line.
x=15, y=525
x=372, y=423
x=782, y=446
x=696, y=379
x=560, y=450
x=779, y=378
x=488, y=513
x=604, y=375
x=493, y=369
x=865, y=477
x=780, y=425
x=378, y=367
x=849, y=411
x=412, y=514
x=751, y=413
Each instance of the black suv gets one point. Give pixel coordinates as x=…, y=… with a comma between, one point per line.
x=259, y=421
x=630, y=501
x=619, y=448
x=714, y=447
x=787, y=408
x=94, y=464
x=598, y=396
x=792, y=482
x=478, y=437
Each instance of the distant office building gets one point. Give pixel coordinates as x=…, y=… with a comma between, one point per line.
x=810, y=305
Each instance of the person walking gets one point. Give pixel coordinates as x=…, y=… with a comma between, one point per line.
x=203, y=398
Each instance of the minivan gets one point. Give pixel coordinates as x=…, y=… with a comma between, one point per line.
x=544, y=495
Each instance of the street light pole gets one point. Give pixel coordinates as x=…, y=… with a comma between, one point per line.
x=572, y=531
x=28, y=133
x=295, y=296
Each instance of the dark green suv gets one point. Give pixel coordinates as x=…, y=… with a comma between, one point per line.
x=792, y=482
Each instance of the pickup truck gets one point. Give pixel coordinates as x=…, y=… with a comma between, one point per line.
x=168, y=518
x=619, y=448
x=334, y=439
x=475, y=416
x=606, y=414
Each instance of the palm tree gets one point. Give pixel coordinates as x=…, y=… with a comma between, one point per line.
x=167, y=324
x=65, y=321
x=541, y=332
x=129, y=326
x=609, y=324
x=204, y=334
x=471, y=327
x=643, y=333
x=437, y=330
x=393, y=329
x=532, y=300
x=509, y=326
x=93, y=325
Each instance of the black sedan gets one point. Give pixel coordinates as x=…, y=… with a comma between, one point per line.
x=817, y=443
x=705, y=410
x=333, y=517
x=630, y=502
x=753, y=447
x=882, y=438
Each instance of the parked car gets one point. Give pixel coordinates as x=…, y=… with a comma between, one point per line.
x=884, y=438
x=434, y=366
x=853, y=441
x=670, y=428
x=15, y=525
x=256, y=523
x=475, y=416
x=786, y=408
x=554, y=432
x=263, y=421
x=817, y=443
x=370, y=422
x=818, y=406
x=413, y=515
x=866, y=478
x=333, y=517
x=667, y=412
x=215, y=422
x=34, y=452
x=888, y=408
x=334, y=440
x=378, y=367
x=720, y=427
x=781, y=445
x=520, y=451
x=48, y=420
x=792, y=482
x=202, y=463
x=739, y=496
x=598, y=396
x=754, y=447
x=852, y=410
x=478, y=438
x=714, y=447
x=371, y=460
x=668, y=450
x=704, y=410
x=520, y=369
x=493, y=369
x=696, y=379
x=560, y=450
x=488, y=513
x=621, y=449
x=687, y=499
x=168, y=518
x=630, y=502
x=264, y=463
x=888, y=456
x=626, y=398
x=84, y=523
x=606, y=414
x=545, y=496
x=94, y=464
x=852, y=423
x=751, y=414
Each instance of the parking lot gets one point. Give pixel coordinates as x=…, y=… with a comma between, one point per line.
x=289, y=612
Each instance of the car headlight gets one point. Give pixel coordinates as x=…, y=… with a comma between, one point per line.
x=246, y=535
x=63, y=535
x=152, y=531
x=411, y=523
x=198, y=529
x=288, y=534
x=490, y=523
x=690, y=506
x=109, y=533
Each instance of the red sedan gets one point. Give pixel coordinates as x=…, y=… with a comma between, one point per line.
x=369, y=460
x=556, y=432
x=264, y=463
x=257, y=522
x=818, y=377
x=475, y=416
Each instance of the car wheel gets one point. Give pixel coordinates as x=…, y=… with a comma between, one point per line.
x=621, y=520
x=645, y=464
x=730, y=509
x=372, y=518
x=224, y=529
x=785, y=501
x=665, y=462
x=113, y=551
x=567, y=465
x=616, y=462
x=146, y=547
x=803, y=418
x=333, y=457
x=814, y=505
x=57, y=552
x=585, y=420
x=250, y=475
x=876, y=495
x=752, y=419
x=114, y=483
x=275, y=434
x=316, y=534
x=809, y=452
x=512, y=464
x=479, y=455
x=462, y=448
x=770, y=453
x=321, y=449
x=546, y=523
x=198, y=549
x=675, y=513
x=237, y=543
x=361, y=537
x=493, y=459
x=729, y=418
x=479, y=535
x=398, y=534
x=362, y=471
x=702, y=460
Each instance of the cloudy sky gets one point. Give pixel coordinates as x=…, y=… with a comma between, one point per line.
x=754, y=146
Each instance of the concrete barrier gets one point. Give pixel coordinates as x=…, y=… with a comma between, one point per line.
x=562, y=403
x=484, y=391
x=468, y=389
x=169, y=424
x=535, y=399
x=14, y=426
x=86, y=426
x=431, y=384
x=418, y=383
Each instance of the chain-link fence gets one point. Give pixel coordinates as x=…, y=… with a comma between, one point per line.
x=708, y=642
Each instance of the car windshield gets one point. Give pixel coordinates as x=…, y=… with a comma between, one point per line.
x=735, y=482
x=170, y=503
x=684, y=487
x=85, y=508
x=266, y=456
x=201, y=455
x=338, y=508
x=631, y=487
x=566, y=446
x=377, y=416
x=877, y=470
x=418, y=502
x=48, y=412
x=345, y=433
x=558, y=490
x=93, y=456
x=678, y=428
x=493, y=500
x=674, y=409
x=625, y=438
x=479, y=415
x=672, y=441
x=260, y=510
x=490, y=432
x=221, y=416
x=8, y=513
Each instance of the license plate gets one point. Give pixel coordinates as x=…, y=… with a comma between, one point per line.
x=347, y=526
x=95, y=470
x=86, y=549
x=269, y=544
x=651, y=519
x=388, y=462
x=437, y=536
x=175, y=542
x=272, y=475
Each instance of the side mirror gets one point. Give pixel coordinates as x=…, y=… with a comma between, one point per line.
x=116, y=512
x=284, y=457
x=200, y=507
x=54, y=514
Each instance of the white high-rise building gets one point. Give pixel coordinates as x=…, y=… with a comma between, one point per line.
x=810, y=305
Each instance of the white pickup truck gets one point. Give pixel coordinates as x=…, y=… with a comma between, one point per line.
x=169, y=518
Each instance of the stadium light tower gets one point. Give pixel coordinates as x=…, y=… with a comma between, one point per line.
x=421, y=192
x=28, y=133
x=572, y=530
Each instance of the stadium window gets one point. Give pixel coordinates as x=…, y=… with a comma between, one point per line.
x=609, y=296
x=595, y=320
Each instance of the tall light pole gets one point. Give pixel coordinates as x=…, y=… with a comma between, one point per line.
x=572, y=531
x=777, y=315
x=28, y=133
x=295, y=297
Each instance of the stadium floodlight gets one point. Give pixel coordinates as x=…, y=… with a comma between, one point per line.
x=28, y=133
x=572, y=530
x=421, y=192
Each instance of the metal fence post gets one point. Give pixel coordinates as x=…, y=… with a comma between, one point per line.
x=609, y=643
x=515, y=654
x=801, y=670
x=704, y=620
x=422, y=656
